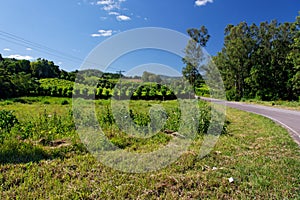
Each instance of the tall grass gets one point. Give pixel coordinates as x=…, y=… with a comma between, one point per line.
x=259, y=155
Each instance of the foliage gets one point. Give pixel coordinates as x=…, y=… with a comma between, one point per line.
x=55, y=87
x=194, y=55
x=21, y=77
x=260, y=156
x=203, y=90
x=260, y=61
x=294, y=58
x=7, y=121
x=42, y=68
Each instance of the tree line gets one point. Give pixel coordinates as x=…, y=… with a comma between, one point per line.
x=21, y=77
x=257, y=61
x=44, y=78
x=261, y=61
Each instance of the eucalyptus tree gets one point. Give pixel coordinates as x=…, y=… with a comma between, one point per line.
x=194, y=55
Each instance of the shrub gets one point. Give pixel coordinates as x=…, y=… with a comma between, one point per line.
x=46, y=102
x=64, y=102
x=7, y=120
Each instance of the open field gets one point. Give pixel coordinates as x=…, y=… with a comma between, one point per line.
x=43, y=157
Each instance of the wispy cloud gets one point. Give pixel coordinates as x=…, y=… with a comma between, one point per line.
x=105, y=33
x=95, y=35
x=105, y=2
x=123, y=18
x=102, y=33
x=113, y=8
x=28, y=49
x=109, y=5
x=6, y=49
x=202, y=2
x=114, y=13
x=19, y=57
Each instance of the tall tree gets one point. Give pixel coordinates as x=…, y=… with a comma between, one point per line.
x=42, y=68
x=194, y=55
x=235, y=59
x=270, y=72
x=253, y=61
x=294, y=58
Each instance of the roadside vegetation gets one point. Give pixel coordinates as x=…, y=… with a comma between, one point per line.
x=291, y=105
x=42, y=157
x=261, y=61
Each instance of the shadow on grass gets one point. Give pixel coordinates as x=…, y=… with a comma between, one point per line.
x=17, y=152
x=20, y=152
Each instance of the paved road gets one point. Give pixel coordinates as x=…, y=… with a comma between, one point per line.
x=287, y=118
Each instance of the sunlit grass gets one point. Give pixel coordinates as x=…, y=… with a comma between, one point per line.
x=292, y=105
x=258, y=154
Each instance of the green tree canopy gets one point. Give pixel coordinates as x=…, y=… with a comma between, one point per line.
x=254, y=61
x=194, y=55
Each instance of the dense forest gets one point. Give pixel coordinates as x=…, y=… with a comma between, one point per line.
x=261, y=62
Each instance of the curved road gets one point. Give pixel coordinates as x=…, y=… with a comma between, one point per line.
x=287, y=118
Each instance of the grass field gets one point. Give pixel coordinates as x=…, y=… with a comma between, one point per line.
x=43, y=158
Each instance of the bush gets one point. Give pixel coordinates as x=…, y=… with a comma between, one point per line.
x=46, y=102
x=64, y=102
x=7, y=120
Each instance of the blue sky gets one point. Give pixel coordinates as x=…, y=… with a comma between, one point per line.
x=65, y=31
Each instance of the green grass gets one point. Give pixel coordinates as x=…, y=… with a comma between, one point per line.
x=292, y=105
x=259, y=154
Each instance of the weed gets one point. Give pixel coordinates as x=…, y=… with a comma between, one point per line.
x=260, y=156
x=65, y=102
x=7, y=121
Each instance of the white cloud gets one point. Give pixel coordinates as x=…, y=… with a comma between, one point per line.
x=6, y=49
x=123, y=18
x=114, y=13
x=109, y=5
x=103, y=33
x=19, y=57
x=105, y=2
x=112, y=8
x=29, y=49
x=202, y=2
x=95, y=35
